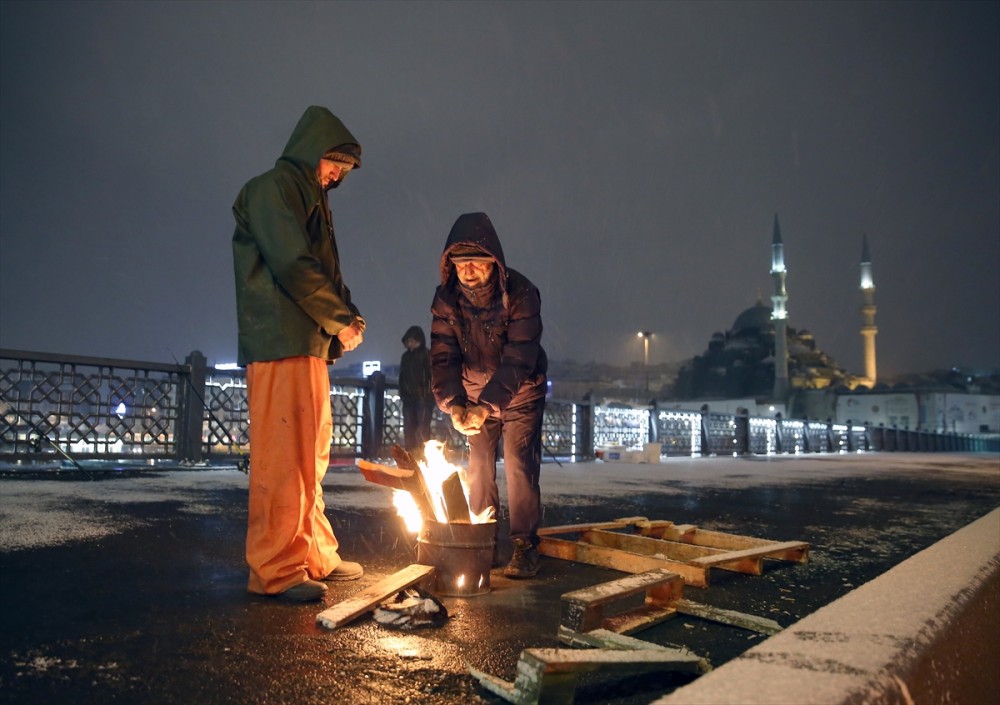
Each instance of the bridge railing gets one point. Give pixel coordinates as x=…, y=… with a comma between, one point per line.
x=59, y=407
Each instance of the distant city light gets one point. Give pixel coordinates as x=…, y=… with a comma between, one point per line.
x=121, y=410
x=227, y=366
x=370, y=366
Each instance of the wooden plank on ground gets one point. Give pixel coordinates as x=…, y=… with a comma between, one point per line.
x=773, y=550
x=635, y=620
x=751, y=622
x=605, y=639
x=368, y=599
x=703, y=537
x=796, y=551
x=576, y=528
x=624, y=561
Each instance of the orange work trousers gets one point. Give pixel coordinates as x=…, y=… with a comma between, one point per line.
x=289, y=538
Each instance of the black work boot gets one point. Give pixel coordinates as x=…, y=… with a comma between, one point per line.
x=524, y=562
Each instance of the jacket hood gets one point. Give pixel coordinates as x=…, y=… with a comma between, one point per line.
x=317, y=132
x=473, y=230
x=417, y=333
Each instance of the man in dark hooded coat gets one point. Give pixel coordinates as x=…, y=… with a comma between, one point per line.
x=295, y=318
x=488, y=373
x=415, y=391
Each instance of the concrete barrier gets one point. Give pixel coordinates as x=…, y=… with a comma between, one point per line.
x=927, y=631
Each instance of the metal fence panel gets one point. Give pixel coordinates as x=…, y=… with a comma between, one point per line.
x=101, y=409
x=88, y=408
x=679, y=432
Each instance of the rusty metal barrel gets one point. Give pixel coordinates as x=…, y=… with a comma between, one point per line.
x=462, y=555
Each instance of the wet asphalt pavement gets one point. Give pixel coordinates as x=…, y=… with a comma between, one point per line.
x=158, y=613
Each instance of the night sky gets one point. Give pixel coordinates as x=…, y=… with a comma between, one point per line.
x=632, y=157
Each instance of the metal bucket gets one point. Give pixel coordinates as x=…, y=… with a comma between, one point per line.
x=462, y=555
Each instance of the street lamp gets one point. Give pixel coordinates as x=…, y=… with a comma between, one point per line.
x=645, y=335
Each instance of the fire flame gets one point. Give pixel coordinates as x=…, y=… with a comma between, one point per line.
x=435, y=470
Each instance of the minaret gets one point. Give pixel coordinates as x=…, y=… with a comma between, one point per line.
x=868, y=329
x=779, y=315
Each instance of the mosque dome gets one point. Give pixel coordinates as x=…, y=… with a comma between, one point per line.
x=756, y=320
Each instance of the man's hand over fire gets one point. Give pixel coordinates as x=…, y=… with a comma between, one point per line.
x=475, y=417
x=467, y=420
x=351, y=337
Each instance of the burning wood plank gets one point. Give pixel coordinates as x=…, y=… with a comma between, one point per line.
x=404, y=459
x=398, y=478
x=409, y=477
x=456, y=506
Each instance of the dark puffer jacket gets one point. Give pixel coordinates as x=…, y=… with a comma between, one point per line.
x=415, y=369
x=291, y=299
x=491, y=353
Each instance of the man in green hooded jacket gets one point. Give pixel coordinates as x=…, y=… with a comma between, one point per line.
x=295, y=317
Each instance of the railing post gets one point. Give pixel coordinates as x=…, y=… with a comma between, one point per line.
x=373, y=421
x=742, y=421
x=778, y=435
x=585, y=427
x=191, y=409
x=850, y=437
x=705, y=448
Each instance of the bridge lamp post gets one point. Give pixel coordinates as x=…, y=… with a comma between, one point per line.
x=645, y=335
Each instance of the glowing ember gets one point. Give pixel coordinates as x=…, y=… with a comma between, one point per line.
x=435, y=470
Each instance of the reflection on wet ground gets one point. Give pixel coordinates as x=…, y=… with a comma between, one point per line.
x=157, y=612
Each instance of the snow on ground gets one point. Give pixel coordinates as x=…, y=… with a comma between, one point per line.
x=38, y=512
x=866, y=646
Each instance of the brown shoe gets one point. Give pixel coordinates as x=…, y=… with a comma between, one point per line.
x=309, y=591
x=345, y=570
x=524, y=562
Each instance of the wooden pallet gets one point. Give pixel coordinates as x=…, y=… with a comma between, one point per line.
x=549, y=675
x=683, y=549
x=592, y=608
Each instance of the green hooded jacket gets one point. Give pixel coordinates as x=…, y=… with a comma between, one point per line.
x=291, y=299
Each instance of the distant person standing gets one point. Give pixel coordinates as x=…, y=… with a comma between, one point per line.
x=415, y=391
x=488, y=372
x=295, y=318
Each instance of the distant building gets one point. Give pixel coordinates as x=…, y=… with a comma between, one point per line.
x=763, y=363
x=763, y=357
x=941, y=411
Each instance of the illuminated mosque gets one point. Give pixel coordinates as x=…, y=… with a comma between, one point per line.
x=762, y=357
